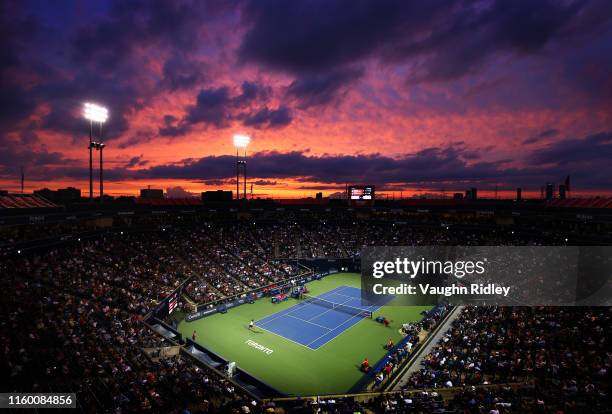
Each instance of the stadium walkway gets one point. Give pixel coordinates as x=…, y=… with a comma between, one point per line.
x=416, y=364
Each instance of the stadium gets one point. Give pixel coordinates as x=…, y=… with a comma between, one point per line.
x=321, y=206
x=132, y=309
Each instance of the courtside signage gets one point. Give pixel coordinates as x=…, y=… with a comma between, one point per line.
x=259, y=346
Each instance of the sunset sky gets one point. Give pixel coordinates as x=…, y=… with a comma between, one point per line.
x=412, y=96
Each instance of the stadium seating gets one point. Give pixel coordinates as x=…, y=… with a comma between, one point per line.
x=75, y=309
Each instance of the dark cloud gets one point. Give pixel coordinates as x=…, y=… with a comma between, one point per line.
x=218, y=108
x=431, y=164
x=173, y=127
x=320, y=89
x=137, y=161
x=60, y=63
x=586, y=159
x=576, y=151
x=179, y=192
x=15, y=105
x=139, y=137
x=267, y=118
x=251, y=92
x=319, y=187
x=261, y=183
x=18, y=30
x=13, y=157
x=114, y=37
x=121, y=93
x=318, y=35
x=447, y=166
x=445, y=40
x=548, y=133
x=28, y=136
x=126, y=54
x=211, y=107
x=181, y=72
x=219, y=182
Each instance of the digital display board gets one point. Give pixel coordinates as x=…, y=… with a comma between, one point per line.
x=365, y=192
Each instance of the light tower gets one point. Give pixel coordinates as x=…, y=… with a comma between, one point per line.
x=241, y=142
x=101, y=147
x=94, y=113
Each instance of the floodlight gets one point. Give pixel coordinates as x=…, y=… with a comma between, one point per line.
x=95, y=113
x=241, y=141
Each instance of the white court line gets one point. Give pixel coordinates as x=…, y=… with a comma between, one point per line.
x=329, y=310
x=312, y=323
x=296, y=306
x=371, y=308
x=281, y=313
x=291, y=310
x=366, y=308
x=284, y=337
x=341, y=324
x=346, y=296
x=342, y=294
x=335, y=336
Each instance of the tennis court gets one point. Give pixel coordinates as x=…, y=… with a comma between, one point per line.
x=317, y=320
x=294, y=368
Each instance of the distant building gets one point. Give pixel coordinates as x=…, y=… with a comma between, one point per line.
x=471, y=194
x=319, y=196
x=61, y=195
x=519, y=194
x=458, y=196
x=218, y=196
x=45, y=192
x=151, y=193
x=550, y=191
x=562, y=192
x=69, y=194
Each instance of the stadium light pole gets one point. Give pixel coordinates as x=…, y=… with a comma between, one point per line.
x=101, y=147
x=94, y=113
x=241, y=142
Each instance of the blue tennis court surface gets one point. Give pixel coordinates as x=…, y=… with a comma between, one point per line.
x=313, y=324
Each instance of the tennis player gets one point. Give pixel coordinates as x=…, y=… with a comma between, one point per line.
x=251, y=325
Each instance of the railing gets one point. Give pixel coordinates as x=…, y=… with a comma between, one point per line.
x=366, y=396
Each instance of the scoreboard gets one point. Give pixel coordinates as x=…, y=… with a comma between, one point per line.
x=362, y=195
x=365, y=192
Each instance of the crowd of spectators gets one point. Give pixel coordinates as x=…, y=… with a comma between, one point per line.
x=400, y=352
x=469, y=400
x=74, y=322
x=564, y=351
x=56, y=341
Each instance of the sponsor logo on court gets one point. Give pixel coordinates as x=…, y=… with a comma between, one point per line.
x=256, y=345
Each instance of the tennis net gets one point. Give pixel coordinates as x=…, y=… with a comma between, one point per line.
x=337, y=306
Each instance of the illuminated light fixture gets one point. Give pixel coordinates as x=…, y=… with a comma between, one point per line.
x=95, y=113
x=241, y=141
